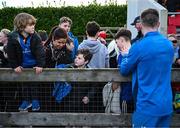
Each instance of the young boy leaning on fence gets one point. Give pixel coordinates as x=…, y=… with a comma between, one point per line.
x=24, y=50
x=82, y=97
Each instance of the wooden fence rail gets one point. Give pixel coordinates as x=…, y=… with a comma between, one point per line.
x=78, y=75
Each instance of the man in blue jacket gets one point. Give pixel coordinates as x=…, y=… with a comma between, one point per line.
x=150, y=62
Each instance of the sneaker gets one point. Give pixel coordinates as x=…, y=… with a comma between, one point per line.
x=24, y=106
x=35, y=105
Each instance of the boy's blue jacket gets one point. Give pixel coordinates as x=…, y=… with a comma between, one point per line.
x=126, y=88
x=14, y=50
x=150, y=61
x=76, y=44
x=61, y=89
x=29, y=60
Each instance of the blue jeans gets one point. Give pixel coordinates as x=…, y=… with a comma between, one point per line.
x=141, y=120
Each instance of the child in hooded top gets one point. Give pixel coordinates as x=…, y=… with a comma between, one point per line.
x=100, y=57
x=24, y=50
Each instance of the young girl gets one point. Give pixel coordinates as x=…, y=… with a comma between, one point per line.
x=58, y=54
x=57, y=48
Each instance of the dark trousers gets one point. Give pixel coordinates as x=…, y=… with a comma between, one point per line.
x=30, y=91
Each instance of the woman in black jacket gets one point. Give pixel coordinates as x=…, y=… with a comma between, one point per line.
x=58, y=49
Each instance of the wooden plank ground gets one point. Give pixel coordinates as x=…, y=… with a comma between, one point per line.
x=63, y=119
x=70, y=119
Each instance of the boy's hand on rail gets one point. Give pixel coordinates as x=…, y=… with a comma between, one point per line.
x=18, y=69
x=38, y=70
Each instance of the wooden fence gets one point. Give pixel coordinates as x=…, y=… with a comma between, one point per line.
x=111, y=31
x=102, y=120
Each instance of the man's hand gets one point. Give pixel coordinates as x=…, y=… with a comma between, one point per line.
x=18, y=69
x=38, y=70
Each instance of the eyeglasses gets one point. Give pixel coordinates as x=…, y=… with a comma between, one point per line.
x=174, y=41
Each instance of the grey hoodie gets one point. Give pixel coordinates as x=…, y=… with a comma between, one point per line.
x=100, y=57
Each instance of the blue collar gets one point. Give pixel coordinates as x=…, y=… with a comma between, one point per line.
x=152, y=33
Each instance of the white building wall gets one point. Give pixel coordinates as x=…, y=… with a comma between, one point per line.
x=135, y=7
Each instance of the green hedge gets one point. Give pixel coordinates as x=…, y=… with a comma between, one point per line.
x=106, y=16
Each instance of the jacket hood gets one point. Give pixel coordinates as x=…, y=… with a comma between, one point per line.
x=93, y=46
